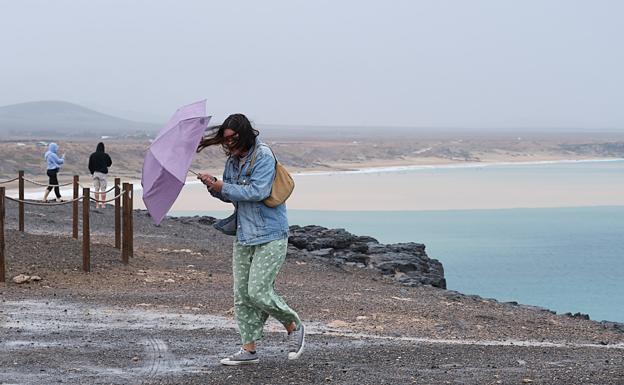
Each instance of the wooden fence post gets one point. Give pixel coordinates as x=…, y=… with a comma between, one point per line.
x=75, y=208
x=86, y=246
x=21, y=198
x=117, y=214
x=125, y=220
x=131, y=217
x=2, y=270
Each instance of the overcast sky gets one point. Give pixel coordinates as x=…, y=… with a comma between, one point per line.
x=497, y=63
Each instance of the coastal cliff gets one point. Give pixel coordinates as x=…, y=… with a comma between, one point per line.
x=408, y=263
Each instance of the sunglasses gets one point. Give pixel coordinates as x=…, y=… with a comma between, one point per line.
x=230, y=139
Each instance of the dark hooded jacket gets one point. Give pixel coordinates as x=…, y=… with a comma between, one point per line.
x=99, y=161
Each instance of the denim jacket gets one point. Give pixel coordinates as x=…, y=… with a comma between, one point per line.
x=253, y=222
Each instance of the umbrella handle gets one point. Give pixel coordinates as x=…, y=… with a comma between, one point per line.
x=214, y=178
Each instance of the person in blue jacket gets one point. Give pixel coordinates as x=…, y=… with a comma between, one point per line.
x=54, y=163
x=261, y=236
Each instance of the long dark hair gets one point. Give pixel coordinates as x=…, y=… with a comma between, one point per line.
x=246, y=135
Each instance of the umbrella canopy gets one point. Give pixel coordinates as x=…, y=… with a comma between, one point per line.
x=168, y=159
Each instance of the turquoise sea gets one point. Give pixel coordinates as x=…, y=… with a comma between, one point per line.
x=565, y=259
x=568, y=259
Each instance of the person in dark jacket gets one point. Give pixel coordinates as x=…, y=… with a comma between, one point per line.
x=99, y=162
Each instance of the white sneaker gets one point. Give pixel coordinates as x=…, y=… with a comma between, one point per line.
x=242, y=357
x=297, y=342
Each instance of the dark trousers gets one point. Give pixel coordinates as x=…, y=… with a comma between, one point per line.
x=54, y=182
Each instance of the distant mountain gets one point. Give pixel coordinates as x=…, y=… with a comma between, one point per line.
x=59, y=119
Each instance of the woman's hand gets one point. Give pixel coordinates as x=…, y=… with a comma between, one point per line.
x=216, y=186
x=212, y=183
x=205, y=178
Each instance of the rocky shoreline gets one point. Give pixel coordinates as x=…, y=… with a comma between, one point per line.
x=407, y=263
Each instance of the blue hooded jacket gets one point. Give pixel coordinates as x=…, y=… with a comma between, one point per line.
x=53, y=160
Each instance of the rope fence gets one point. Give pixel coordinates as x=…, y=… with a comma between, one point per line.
x=46, y=184
x=123, y=202
x=9, y=181
x=106, y=201
x=55, y=185
x=99, y=192
x=35, y=203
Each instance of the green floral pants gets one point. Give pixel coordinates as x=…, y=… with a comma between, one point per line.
x=255, y=269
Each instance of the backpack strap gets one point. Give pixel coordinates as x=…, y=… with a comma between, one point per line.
x=253, y=159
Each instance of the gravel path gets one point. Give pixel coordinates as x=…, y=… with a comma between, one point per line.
x=166, y=318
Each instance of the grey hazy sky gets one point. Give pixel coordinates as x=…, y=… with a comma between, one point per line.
x=497, y=63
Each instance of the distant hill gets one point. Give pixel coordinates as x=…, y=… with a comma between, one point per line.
x=61, y=119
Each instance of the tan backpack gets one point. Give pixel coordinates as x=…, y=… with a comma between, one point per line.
x=283, y=183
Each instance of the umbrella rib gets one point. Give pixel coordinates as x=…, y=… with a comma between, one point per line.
x=194, y=117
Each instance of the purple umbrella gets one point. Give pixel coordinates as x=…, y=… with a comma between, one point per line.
x=169, y=157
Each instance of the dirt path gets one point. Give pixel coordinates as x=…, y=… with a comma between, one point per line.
x=50, y=341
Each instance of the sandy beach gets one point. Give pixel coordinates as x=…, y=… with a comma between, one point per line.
x=420, y=184
x=450, y=186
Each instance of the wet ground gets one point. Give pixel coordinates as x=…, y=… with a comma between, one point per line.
x=48, y=341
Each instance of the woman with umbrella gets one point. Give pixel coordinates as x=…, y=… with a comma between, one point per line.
x=261, y=235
